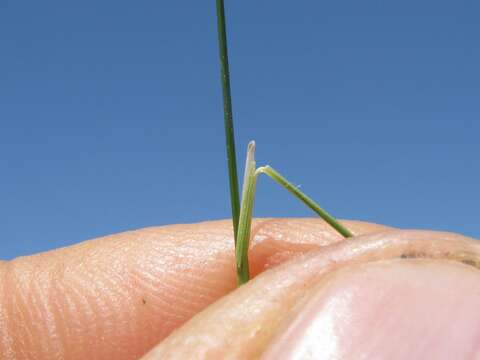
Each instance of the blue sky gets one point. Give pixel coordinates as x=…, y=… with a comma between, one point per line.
x=111, y=115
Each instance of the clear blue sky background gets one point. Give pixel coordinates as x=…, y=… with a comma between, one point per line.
x=111, y=117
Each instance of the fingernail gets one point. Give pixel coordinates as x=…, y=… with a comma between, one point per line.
x=401, y=309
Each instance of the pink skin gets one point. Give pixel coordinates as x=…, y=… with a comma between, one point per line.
x=323, y=304
x=118, y=297
x=398, y=309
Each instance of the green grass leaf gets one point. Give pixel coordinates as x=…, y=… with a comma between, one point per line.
x=275, y=175
x=228, y=117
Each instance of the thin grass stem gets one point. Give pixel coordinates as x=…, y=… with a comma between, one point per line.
x=246, y=213
x=275, y=175
x=228, y=117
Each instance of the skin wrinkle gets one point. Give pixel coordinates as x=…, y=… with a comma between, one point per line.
x=113, y=322
x=109, y=284
x=145, y=323
x=193, y=290
x=5, y=336
x=90, y=320
x=71, y=307
x=17, y=309
x=197, y=295
x=123, y=316
x=67, y=299
x=180, y=283
x=106, y=286
x=89, y=326
x=133, y=307
x=165, y=301
x=40, y=290
x=59, y=298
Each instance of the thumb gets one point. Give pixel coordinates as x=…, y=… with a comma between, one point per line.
x=391, y=295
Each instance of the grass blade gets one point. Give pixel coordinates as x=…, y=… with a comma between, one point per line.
x=228, y=117
x=246, y=213
x=275, y=175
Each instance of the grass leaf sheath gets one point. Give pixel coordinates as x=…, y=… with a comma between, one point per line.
x=246, y=213
x=228, y=117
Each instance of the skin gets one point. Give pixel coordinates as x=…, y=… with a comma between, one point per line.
x=169, y=292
